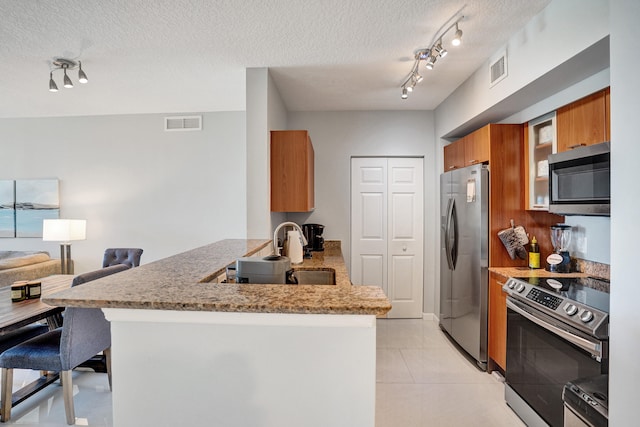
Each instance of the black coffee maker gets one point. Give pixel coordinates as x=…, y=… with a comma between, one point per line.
x=313, y=234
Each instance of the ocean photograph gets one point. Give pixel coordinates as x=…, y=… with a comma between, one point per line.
x=36, y=200
x=7, y=209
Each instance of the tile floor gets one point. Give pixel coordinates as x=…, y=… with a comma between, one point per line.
x=422, y=380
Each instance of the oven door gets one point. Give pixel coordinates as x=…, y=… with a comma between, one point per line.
x=542, y=356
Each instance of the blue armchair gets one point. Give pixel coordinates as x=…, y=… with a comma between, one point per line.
x=84, y=333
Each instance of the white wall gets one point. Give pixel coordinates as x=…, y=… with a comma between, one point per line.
x=336, y=137
x=265, y=112
x=257, y=160
x=134, y=183
x=625, y=227
x=562, y=30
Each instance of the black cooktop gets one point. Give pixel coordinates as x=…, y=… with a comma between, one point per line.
x=587, y=290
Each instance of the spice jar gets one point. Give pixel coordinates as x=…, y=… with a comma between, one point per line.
x=19, y=291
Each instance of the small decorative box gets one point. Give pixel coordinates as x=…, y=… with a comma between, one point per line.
x=34, y=289
x=19, y=290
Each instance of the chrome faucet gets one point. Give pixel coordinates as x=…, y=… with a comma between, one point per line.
x=276, y=250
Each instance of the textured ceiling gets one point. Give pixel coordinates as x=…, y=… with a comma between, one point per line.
x=171, y=56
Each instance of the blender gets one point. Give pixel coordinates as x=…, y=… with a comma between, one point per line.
x=560, y=261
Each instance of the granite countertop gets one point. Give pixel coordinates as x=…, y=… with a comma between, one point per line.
x=507, y=272
x=183, y=282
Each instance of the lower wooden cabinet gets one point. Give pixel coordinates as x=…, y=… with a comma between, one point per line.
x=497, y=321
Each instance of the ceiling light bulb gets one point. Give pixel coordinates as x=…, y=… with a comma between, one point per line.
x=82, y=77
x=53, y=87
x=409, y=89
x=419, y=78
x=457, y=38
x=442, y=52
x=67, y=80
x=430, y=62
x=405, y=95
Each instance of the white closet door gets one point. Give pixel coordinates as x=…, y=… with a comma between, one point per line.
x=369, y=222
x=405, y=236
x=387, y=230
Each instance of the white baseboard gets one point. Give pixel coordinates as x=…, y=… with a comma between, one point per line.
x=430, y=316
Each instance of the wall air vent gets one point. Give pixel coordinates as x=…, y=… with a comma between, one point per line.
x=183, y=123
x=498, y=69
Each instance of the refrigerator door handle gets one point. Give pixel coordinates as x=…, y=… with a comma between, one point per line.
x=448, y=247
x=447, y=228
x=454, y=221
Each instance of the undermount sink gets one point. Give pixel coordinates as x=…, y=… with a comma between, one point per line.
x=326, y=276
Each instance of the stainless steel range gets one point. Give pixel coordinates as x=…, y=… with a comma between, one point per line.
x=557, y=331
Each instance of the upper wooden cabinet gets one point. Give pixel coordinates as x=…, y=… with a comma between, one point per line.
x=469, y=150
x=584, y=122
x=292, y=171
x=477, y=147
x=454, y=155
x=501, y=146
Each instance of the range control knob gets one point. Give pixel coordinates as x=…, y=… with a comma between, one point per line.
x=511, y=284
x=520, y=287
x=570, y=309
x=586, y=316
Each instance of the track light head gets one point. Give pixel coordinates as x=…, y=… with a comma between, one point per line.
x=53, y=87
x=431, y=62
x=405, y=94
x=67, y=81
x=82, y=77
x=419, y=78
x=442, y=52
x=457, y=38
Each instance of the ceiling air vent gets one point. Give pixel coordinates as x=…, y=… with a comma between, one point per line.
x=183, y=123
x=498, y=69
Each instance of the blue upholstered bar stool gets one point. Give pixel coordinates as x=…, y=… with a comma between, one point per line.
x=128, y=256
x=84, y=333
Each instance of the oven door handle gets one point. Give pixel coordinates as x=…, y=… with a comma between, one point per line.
x=592, y=347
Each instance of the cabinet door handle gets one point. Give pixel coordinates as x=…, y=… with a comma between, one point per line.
x=473, y=162
x=576, y=146
x=451, y=167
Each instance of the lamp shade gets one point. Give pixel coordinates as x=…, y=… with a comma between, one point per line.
x=64, y=230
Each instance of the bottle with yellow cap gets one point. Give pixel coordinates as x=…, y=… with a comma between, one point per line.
x=534, y=254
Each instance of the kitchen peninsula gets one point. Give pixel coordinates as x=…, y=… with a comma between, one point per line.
x=187, y=351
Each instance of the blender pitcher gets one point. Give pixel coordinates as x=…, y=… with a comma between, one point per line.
x=560, y=260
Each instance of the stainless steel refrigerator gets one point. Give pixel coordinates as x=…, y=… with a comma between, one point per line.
x=464, y=258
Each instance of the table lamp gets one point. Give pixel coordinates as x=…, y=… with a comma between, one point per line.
x=64, y=231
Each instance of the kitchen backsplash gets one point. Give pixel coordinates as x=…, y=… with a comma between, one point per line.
x=592, y=268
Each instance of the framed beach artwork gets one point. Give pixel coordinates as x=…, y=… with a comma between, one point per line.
x=7, y=208
x=36, y=200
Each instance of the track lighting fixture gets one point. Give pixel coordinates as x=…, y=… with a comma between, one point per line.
x=430, y=56
x=64, y=65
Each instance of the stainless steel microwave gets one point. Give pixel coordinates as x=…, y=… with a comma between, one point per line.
x=579, y=181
